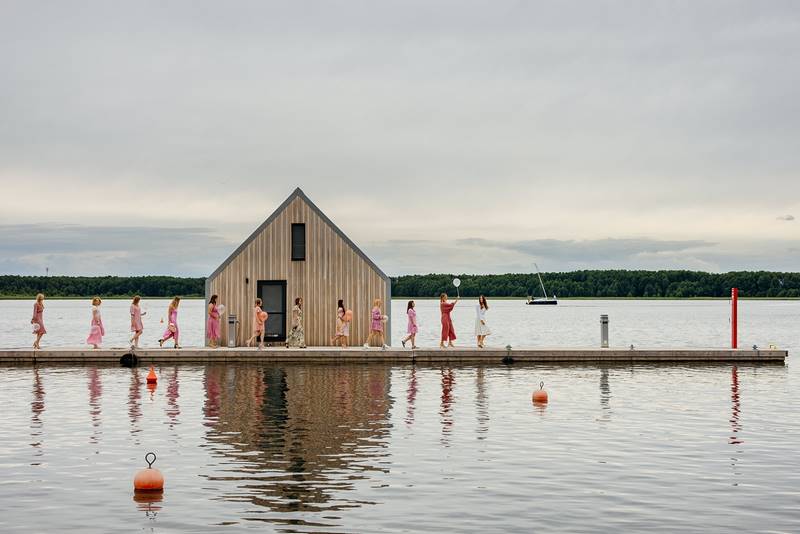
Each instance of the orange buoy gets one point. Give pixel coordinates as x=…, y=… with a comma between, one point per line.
x=540, y=395
x=149, y=479
x=151, y=376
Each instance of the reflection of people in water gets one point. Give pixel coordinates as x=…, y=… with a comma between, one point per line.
x=37, y=408
x=448, y=381
x=173, y=410
x=481, y=403
x=411, y=396
x=322, y=427
x=95, y=395
x=134, y=400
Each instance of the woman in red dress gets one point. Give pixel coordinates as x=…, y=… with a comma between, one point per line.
x=448, y=332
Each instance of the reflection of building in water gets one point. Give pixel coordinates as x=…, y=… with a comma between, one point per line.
x=301, y=435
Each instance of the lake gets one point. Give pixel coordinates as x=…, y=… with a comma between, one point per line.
x=374, y=447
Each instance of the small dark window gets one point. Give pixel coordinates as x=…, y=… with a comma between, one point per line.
x=298, y=242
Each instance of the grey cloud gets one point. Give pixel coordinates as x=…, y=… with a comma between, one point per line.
x=98, y=250
x=786, y=218
x=482, y=256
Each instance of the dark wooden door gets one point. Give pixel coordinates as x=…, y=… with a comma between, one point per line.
x=273, y=301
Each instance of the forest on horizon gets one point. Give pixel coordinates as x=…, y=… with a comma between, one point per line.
x=573, y=284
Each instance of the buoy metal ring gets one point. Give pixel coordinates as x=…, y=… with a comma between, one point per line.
x=150, y=462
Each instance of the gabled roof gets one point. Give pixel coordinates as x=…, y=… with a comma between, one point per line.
x=297, y=193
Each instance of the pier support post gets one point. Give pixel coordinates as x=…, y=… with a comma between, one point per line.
x=734, y=318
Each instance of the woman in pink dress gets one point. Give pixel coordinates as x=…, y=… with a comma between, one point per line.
x=96, y=331
x=212, y=324
x=37, y=320
x=376, y=327
x=172, y=330
x=448, y=332
x=412, y=326
x=136, y=321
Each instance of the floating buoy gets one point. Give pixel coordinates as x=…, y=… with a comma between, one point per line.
x=151, y=376
x=150, y=479
x=540, y=395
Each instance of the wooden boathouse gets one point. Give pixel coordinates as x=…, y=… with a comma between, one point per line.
x=299, y=252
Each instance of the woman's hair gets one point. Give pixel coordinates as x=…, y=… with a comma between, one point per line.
x=297, y=301
x=136, y=299
x=340, y=304
x=376, y=302
x=174, y=303
x=483, y=303
x=410, y=305
x=213, y=299
x=443, y=297
x=258, y=302
x=96, y=301
x=40, y=297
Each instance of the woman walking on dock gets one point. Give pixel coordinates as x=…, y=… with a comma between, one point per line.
x=297, y=335
x=412, y=328
x=212, y=323
x=37, y=320
x=376, y=327
x=448, y=332
x=342, y=326
x=172, y=330
x=96, y=331
x=136, y=321
x=259, y=318
x=481, y=328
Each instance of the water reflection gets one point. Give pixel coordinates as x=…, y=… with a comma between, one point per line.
x=37, y=408
x=95, y=387
x=411, y=396
x=736, y=426
x=134, y=403
x=149, y=503
x=172, y=410
x=448, y=382
x=605, y=395
x=297, y=439
x=481, y=403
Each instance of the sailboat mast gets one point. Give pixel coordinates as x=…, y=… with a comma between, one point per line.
x=540, y=280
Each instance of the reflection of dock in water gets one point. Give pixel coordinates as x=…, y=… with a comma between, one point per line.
x=301, y=436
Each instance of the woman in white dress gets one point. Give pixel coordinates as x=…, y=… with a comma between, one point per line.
x=481, y=328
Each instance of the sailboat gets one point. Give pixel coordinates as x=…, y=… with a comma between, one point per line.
x=545, y=300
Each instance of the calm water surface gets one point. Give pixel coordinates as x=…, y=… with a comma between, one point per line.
x=365, y=448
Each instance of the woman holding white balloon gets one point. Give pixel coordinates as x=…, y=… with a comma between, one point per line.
x=448, y=332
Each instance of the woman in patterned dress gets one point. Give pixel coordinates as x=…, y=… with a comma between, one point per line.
x=297, y=335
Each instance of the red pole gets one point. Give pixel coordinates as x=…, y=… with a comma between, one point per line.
x=734, y=318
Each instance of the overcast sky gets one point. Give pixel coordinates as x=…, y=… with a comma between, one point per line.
x=470, y=137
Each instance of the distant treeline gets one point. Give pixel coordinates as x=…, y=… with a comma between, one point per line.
x=605, y=284
x=101, y=286
x=587, y=284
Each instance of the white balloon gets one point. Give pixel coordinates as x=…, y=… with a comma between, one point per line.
x=456, y=282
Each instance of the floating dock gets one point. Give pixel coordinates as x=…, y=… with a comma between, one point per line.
x=491, y=355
